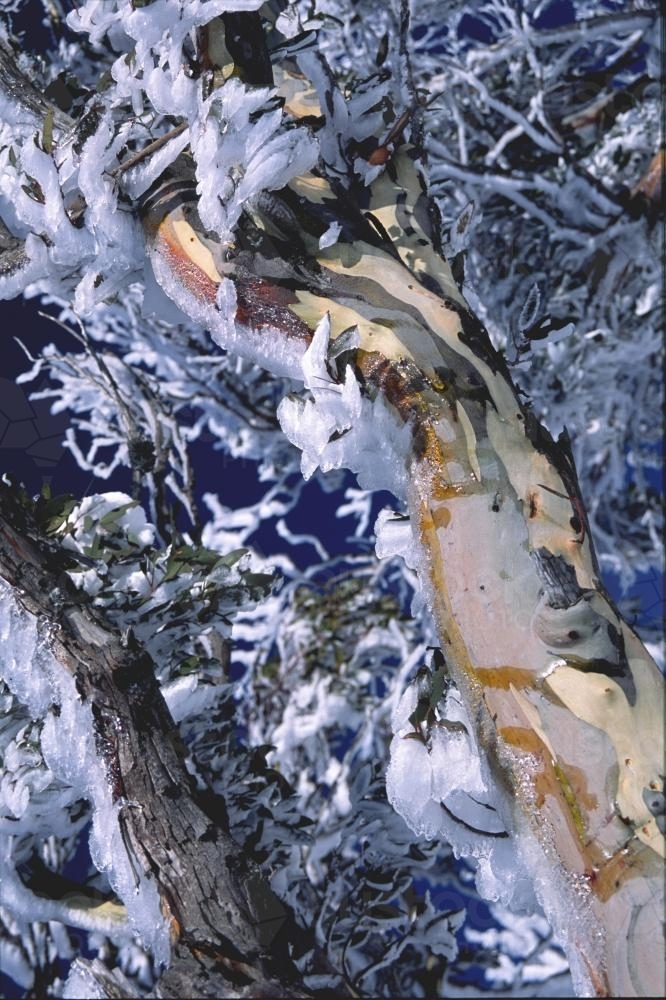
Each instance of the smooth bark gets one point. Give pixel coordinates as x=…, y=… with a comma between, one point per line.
x=566, y=701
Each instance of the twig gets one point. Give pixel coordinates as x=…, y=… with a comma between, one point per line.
x=148, y=150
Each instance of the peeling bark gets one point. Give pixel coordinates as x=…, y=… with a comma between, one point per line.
x=565, y=699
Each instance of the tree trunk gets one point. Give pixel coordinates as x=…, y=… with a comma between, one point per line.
x=222, y=917
x=564, y=697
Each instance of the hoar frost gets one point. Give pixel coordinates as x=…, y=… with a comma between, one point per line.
x=67, y=743
x=424, y=774
x=338, y=427
x=435, y=781
x=143, y=47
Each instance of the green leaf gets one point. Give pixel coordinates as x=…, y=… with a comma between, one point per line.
x=231, y=558
x=187, y=557
x=189, y=665
x=33, y=189
x=47, y=132
x=112, y=517
x=438, y=687
x=52, y=512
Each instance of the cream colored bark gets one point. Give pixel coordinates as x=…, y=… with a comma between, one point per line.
x=566, y=701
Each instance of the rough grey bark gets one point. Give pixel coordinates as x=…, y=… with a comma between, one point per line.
x=221, y=913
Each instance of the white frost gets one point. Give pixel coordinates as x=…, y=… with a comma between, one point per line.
x=420, y=777
x=437, y=785
x=34, y=676
x=338, y=427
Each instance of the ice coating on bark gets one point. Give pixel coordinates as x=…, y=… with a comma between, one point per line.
x=34, y=676
x=159, y=31
x=139, y=178
x=73, y=189
x=283, y=356
x=239, y=154
x=338, y=427
x=181, y=92
x=438, y=787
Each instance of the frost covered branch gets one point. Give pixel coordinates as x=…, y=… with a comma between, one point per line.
x=186, y=887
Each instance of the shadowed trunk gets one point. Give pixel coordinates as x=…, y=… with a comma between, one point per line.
x=226, y=927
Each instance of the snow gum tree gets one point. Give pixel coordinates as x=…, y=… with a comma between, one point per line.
x=419, y=246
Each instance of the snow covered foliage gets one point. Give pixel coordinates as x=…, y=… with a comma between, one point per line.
x=543, y=139
x=553, y=133
x=340, y=428
x=293, y=684
x=294, y=678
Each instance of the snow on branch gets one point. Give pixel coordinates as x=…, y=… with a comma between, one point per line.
x=109, y=735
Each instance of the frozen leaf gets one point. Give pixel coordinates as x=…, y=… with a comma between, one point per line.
x=530, y=310
x=461, y=229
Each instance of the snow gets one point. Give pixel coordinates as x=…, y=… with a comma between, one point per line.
x=409, y=786
x=167, y=19
x=187, y=697
x=15, y=965
x=34, y=267
x=437, y=783
x=239, y=154
x=118, y=513
x=330, y=237
x=648, y=299
x=395, y=537
x=421, y=775
x=82, y=983
x=140, y=177
x=525, y=946
x=93, y=980
x=333, y=424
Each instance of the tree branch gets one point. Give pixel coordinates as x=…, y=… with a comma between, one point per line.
x=565, y=700
x=220, y=912
x=562, y=692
